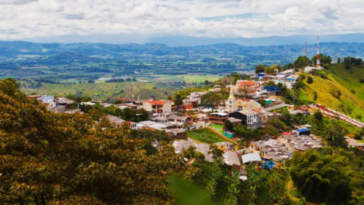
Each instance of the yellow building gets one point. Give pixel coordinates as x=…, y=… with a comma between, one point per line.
x=233, y=104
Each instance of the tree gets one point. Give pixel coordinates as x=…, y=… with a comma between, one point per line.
x=178, y=100
x=309, y=80
x=347, y=66
x=48, y=158
x=216, y=152
x=9, y=86
x=243, y=89
x=301, y=62
x=326, y=178
x=142, y=115
x=212, y=99
x=301, y=77
x=323, y=59
x=229, y=125
x=260, y=69
x=318, y=116
x=335, y=134
x=314, y=96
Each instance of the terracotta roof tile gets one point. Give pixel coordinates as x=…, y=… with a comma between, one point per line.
x=247, y=82
x=156, y=102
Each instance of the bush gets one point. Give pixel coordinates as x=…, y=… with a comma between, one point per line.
x=309, y=80
x=323, y=75
x=302, y=77
x=347, y=67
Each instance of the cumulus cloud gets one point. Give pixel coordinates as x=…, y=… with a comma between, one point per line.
x=15, y=1
x=218, y=18
x=330, y=9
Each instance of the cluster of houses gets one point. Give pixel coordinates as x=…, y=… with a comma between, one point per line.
x=240, y=108
x=265, y=153
x=282, y=148
x=166, y=116
x=232, y=158
x=287, y=77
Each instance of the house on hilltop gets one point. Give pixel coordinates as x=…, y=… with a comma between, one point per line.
x=157, y=106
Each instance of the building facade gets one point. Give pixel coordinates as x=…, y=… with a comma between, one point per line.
x=157, y=106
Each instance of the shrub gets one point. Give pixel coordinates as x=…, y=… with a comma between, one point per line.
x=309, y=80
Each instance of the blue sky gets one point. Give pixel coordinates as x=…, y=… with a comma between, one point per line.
x=141, y=19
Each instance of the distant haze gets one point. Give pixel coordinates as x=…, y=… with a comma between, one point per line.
x=178, y=41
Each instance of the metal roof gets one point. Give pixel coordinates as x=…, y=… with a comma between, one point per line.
x=254, y=157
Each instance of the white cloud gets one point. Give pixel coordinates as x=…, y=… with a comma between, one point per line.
x=213, y=18
x=15, y=1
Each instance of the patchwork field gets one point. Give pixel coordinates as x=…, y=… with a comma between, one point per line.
x=178, y=78
x=159, y=86
x=104, y=91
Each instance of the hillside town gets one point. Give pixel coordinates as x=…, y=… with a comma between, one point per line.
x=250, y=103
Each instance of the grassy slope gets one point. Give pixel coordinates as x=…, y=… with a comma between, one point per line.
x=339, y=79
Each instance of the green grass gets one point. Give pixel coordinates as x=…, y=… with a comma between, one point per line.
x=339, y=79
x=205, y=135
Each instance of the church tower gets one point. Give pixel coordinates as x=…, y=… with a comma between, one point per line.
x=231, y=100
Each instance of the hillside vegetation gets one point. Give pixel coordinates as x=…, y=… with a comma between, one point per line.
x=341, y=90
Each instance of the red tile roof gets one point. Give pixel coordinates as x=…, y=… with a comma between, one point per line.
x=247, y=82
x=156, y=102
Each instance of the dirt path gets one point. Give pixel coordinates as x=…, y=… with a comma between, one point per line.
x=289, y=187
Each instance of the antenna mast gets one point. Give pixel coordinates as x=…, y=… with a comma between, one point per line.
x=318, y=51
x=138, y=92
x=306, y=49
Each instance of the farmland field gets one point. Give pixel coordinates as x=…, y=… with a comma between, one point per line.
x=103, y=91
x=159, y=86
x=178, y=78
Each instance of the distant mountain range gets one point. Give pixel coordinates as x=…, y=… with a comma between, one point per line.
x=198, y=41
x=20, y=49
